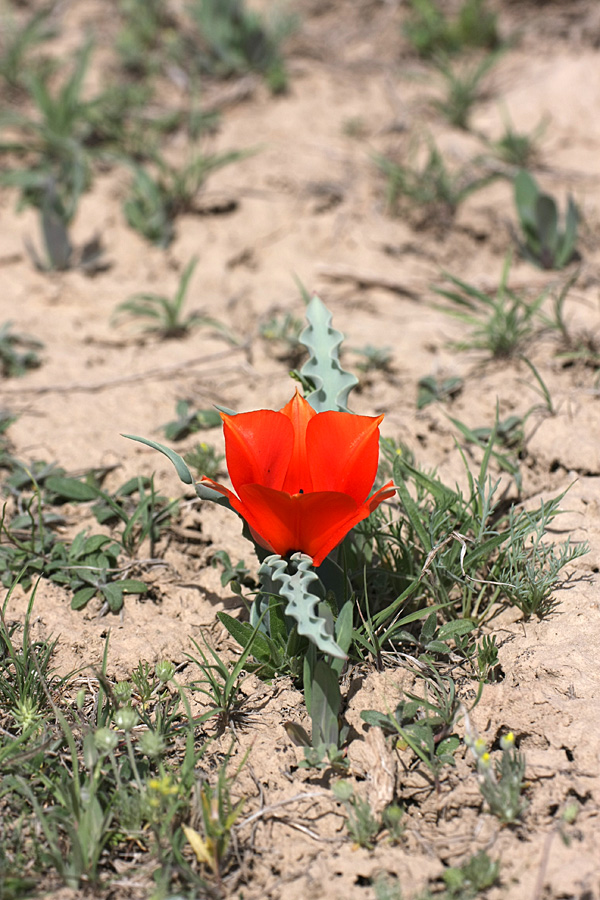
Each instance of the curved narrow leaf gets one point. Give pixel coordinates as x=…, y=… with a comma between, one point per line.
x=181, y=467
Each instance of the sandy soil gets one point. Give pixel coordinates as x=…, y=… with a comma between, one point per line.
x=310, y=203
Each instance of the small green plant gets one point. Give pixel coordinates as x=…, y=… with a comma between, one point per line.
x=189, y=422
x=430, y=191
x=282, y=330
x=531, y=571
x=362, y=824
x=165, y=314
x=234, y=40
x=221, y=686
x=467, y=881
x=98, y=768
x=432, y=389
x=146, y=209
x=17, y=43
x=542, y=241
x=58, y=137
x=502, y=325
x=431, y=32
x=463, y=88
x=137, y=506
x=17, y=351
x=519, y=148
x=219, y=813
x=425, y=724
x=59, y=253
x=373, y=359
x=501, y=785
x=88, y=566
x=235, y=577
x=457, y=551
x=157, y=197
x=146, y=36
x=487, y=658
x=26, y=673
x=363, y=827
x=205, y=460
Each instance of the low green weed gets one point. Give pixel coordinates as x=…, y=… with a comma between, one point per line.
x=531, y=571
x=431, y=32
x=205, y=460
x=139, y=508
x=542, y=241
x=282, y=330
x=101, y=774
x=373, y=359
x=26, y=674
x=155, y=200
x=219, y=814
x=18, y=41
x=146, y=36
x=56, y=137
x=501, y=785
x=425, y=724
x=89, y=565
x=502, y=325
x=234, y=576
x=233, y=40
x=221, y=685
x=431, y=389
x=190, y=421
x=146, y=209
x=58, y=253
x=431, y=192
x=519, y=148
x=467, y=881
x=164, y=314
x=460, y=553
x=463, y=88
x=18, y=352
x=362, y=824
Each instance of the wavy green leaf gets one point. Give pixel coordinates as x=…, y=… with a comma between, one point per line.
x=332, y=383
x=301, y=601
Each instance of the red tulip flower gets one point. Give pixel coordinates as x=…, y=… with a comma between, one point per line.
x=301, y=478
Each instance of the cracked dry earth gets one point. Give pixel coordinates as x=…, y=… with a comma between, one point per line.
x=310, y=202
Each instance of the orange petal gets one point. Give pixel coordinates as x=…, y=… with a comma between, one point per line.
x=343, y=453
x=313, y=523
x=218, y=487
x=258, y=447
x=384, y=493
x=300, y=413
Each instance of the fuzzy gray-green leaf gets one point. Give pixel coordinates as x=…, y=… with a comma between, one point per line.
x=301, y=602
x=332, y=383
